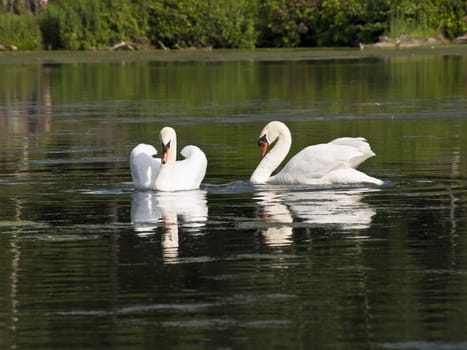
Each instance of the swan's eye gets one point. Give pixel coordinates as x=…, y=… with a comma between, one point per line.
x=166, y=146
x=263, y=139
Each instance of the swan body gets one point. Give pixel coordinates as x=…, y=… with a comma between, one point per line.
x=144, y=167
x=328, y=163
x=180, y=175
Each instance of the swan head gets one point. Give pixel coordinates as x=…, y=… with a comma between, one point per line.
x=263, y=142
x=168, y=138
x=270, y=133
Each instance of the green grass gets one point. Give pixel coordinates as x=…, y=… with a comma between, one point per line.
x=20, y=30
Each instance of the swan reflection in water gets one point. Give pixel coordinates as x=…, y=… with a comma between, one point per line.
x=150, y=210
x=341, y=208
x=278, y=217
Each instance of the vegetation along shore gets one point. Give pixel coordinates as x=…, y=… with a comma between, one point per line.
x=206, y=24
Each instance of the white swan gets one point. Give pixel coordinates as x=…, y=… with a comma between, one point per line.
x=144, y=167
x=181, y=175
x=329, y=163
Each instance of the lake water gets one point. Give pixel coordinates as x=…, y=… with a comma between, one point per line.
x=86, y=262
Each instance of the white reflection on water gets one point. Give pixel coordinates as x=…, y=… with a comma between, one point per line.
x=150, y=210
x=275, y=213
x=339, y=208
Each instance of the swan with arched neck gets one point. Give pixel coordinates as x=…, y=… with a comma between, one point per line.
x=334, y=162
x=181, y=175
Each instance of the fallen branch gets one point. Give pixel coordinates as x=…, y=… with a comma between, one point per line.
x=8, y=47
x=121, y=46
x=161, y=44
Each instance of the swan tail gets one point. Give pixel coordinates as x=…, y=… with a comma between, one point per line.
x=349, y=176
x=360, y=144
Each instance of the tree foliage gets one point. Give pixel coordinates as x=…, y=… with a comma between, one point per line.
x=89, y=24
x=21, y=31
x=321, y=22
x=201, y=23
x=86, y=24
x=452, y=17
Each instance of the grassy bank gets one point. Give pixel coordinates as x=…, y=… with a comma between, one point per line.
x=219, y=55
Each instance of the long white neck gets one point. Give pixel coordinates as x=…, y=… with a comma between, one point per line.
x=273, y=158
x=165, y=179
x=172, y=158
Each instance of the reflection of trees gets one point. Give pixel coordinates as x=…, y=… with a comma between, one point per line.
x=257, y=88
x=25, y=116
x=150, y=210
x=26, y=113
x=26, y=96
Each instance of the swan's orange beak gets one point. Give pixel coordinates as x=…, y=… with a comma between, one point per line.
x=165, y=152
x=164, y=157
x=263, y=143
x=264, y=147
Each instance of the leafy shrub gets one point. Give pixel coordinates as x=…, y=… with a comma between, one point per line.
x=285, y=23
x=321, y=22
x=226, y=23
x=419, y=18
x=86, y=24
x=348, y=22
x=452, y=18
x=202, y=23
x=20, y=30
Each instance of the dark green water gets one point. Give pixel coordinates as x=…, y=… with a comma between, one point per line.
x=88, y=263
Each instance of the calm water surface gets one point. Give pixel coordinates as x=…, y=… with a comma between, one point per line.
x=87, y=262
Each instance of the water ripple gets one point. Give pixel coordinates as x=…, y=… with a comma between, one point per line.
x=426, y=345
